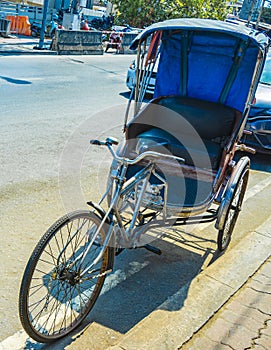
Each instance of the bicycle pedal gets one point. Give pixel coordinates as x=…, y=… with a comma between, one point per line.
x=152, y=249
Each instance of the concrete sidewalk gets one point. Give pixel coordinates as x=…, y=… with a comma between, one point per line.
x=18, y=44
x=244, y=322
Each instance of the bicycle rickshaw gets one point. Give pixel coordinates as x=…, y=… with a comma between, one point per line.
x=176, y=165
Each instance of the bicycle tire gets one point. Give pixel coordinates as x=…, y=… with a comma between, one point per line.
x=53, y=301
x=225, y=234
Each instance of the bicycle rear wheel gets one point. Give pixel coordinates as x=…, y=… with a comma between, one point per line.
x=54, y=298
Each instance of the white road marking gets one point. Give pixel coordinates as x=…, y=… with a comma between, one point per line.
x=260, y=186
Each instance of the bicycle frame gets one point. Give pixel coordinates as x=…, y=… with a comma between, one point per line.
x=128, y=235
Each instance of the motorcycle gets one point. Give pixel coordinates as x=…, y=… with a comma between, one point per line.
x=50, y=29
x=35, y=29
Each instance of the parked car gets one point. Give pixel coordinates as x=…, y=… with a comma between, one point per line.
x=126, y=29
x=131, y=78
x=259, y=121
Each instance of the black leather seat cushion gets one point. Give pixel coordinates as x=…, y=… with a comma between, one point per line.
x=197, y=152
x=189, y=128
x=209, y=119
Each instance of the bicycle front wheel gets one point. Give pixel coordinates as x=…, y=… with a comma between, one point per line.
x=54, y=296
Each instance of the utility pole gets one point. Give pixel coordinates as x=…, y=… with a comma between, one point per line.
x=43, y=25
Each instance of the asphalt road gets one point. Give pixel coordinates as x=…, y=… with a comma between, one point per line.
x=44, y=99
x=47, y=103
x=50, y=108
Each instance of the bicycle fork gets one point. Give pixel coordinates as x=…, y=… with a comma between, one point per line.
x=107, y=217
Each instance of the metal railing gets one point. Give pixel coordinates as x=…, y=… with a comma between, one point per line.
x=4, y=26
x=34, y=13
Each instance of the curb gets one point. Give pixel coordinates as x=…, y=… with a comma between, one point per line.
x=164, y=329
x=28, y=52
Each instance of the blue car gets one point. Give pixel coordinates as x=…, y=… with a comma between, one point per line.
x=259, y=121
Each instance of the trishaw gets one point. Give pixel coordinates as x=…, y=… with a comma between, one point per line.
x=176, y=165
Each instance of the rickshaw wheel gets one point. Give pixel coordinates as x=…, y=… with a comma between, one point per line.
x=224, y=235
x=54, y=298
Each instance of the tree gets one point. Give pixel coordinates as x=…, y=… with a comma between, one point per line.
x=141, y=13
x=213, y=9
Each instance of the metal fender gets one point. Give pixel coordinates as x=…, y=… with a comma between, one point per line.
x=99, y=210
x=238, y=169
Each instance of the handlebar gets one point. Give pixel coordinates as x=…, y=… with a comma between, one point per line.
x=110, y=141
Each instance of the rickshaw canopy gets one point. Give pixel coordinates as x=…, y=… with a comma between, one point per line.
x=207, y=59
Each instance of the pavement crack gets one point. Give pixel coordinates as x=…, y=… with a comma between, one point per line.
x=259, y=281
x=255, y=308
x=76, y=61
x=73, y=60
x=236, y=323
x=221, y=342
x=215, y=279
x=263, y=274
x=225, y=344
x=258, y=337
x=252, y=347
x=259, y=291
x=263, y=234
x=104, y=70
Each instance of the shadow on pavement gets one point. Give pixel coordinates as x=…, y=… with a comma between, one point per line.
x=160, y=277
x=143, y=281
x=125, y=94
x=16, y=81
x=261, y=162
